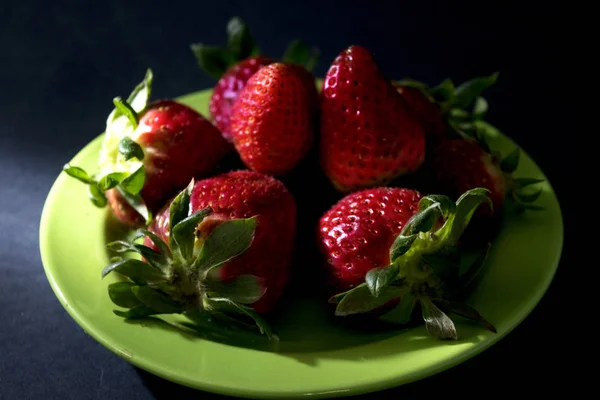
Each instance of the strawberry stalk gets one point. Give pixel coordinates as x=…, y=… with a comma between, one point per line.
x=180, y=278
x=216, y=60
x=121, y=158
x=425, y=268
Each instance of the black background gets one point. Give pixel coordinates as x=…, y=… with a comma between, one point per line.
x=63, y=61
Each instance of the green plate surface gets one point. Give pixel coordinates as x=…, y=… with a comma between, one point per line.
x=316, y=357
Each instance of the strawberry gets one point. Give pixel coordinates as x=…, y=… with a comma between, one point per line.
x=460, y=164
x=235, y=63
x=368, y=135
x=150, y=151
x=426, y=111
x=228, y=89
x=273, y=120
x=222, y=245
x=387, y=249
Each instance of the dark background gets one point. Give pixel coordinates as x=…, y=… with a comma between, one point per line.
x=63, y=61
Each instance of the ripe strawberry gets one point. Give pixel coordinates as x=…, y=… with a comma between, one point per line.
x=222, y=245
x=459, y=165
x=394, y=247
x=368, y=135
x=149, y=153
x=236, y=62
x=273, y=120
x=228, y=89
x=426, y=111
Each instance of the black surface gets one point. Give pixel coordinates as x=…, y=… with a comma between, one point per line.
x=63, y=61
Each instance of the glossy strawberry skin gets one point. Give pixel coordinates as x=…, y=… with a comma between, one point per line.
x=228, y=88
x=179, y=144
x=355, y=235
x=368, y=135
x=460, y=165
x=273, y=120
x=243, y=194
x=428, y=113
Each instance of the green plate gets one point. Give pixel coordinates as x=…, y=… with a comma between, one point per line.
x=316, y=357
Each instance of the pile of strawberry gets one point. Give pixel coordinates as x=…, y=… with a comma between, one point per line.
x=388, y=182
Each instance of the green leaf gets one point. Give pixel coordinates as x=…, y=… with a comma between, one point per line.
x=446, y=205
x=130, y=149
x=409, y=82
x=422, y=221
x=160, y=244
x=138, y=99
x=183, y=232
x=468, y=273
x=226, y=241
x=213, y=60
x=134, y=183
x=136, y=312
x=360, y=300
x=528, y=197
x=438, y=324
x=111, y=180
x=156, y=300
x=240, y=41
x=466, y=311
x=400, y=246
x=136, y=201
x=510, y=163
x=379, y=278
x=444, y=91
x=120, y=293
x=466, y=206
x=179, y=209
x=459, y=115
x=298, y=52
x=97, y=196
x=466, y=93
x=136, y=270
x=125, y=109
x=154, y=258
x=244, y=289
x=480, y=108
x=481, y=136
x=524, y=182
x=228, y=306
x=401, y=314
x=78, y=173
x=445, y=264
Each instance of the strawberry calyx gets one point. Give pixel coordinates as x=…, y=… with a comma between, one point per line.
x=182, y=276
x=464, y=109
x=121, y=158
x=216, y=60
x=425, y=267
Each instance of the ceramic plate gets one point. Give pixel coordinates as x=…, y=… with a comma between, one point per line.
x=315, y=357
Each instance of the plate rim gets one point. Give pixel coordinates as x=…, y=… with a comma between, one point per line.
x=372, y=386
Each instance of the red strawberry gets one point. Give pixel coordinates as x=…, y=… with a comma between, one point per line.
x=150, y=152
x=427, y=112
x=228, y=88
x=393, y=247
x=241, y=195
x=273, y=120
x=460, y=165
x=368, y=135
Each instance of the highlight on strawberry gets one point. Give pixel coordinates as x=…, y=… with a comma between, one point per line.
x=235, y=63
x=389, y=251
x=150, y=152
x=227, y=256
